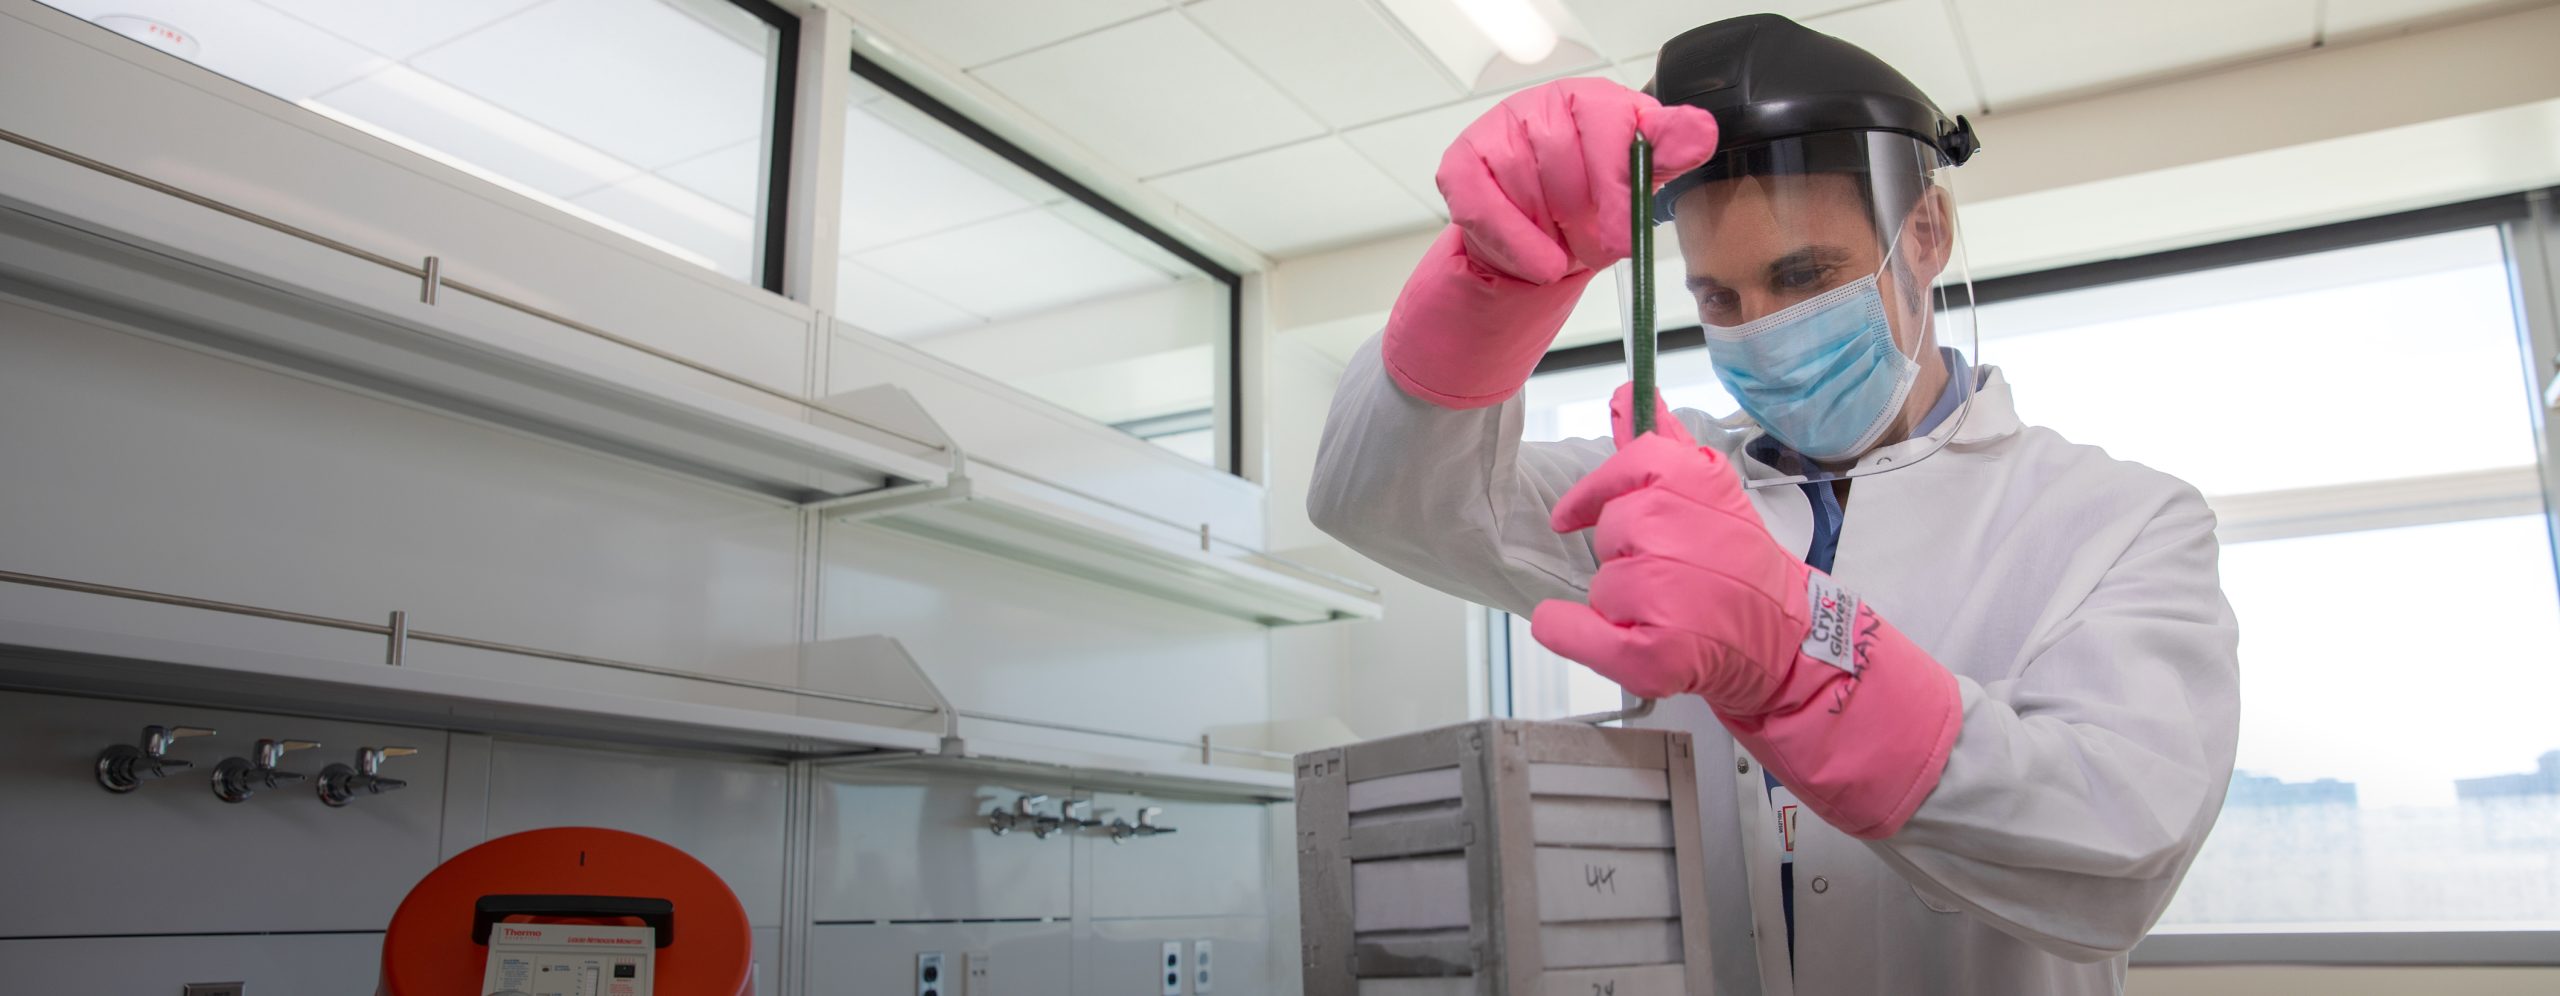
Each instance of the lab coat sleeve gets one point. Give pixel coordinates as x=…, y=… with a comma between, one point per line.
x=2080, y=789
x=1449, y=498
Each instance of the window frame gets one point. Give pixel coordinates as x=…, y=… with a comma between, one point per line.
x=1228, y=409
x=775, y=255
x=2528, y=224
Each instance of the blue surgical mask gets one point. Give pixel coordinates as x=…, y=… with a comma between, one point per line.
x=1823, y=376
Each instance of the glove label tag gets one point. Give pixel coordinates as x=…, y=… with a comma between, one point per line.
x=1834, y=611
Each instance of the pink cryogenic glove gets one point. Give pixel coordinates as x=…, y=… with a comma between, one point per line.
x=1693, y=595
x=1538, y=202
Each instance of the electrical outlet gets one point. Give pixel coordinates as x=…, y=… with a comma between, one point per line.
x=929, y=978
x=1200, y=967
x=982, y=972
x=1171, y=966
x=213, y=989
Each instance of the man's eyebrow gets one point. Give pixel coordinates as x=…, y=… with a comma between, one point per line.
x=1808, y=255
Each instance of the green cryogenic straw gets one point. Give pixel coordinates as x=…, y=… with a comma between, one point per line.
x=1640, y=341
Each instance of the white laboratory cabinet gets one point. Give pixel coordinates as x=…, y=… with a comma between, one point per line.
x=583, y=565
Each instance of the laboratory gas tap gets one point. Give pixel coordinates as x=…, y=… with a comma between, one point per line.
x=124, y=767
x=1145, y=827
x=1067, y=815
x=340, y=784
x=1001, y=822
x=238, y=778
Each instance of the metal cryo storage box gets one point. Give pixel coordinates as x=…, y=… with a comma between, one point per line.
x=1503, y=858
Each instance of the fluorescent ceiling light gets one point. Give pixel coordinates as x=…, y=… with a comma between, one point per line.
x=1514, y=26
x=1495, y=44
x=499, y=122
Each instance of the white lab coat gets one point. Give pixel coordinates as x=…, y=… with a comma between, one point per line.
x=2074, y=596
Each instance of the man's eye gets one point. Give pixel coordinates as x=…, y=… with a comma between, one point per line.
x=1718, y=302
x=1802, y=278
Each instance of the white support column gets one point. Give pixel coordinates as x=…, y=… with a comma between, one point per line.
x=1243, y=367
x=817, y=156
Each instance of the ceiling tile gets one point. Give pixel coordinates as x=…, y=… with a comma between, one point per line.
x=254, y=44
x=427, y=115
x=1408, y=148
x=1915, y=37
x=1628, y=28
x=730, y=175
x=2029, y=50
x=1013, y=265
x=1339, y=57
x=2352, y=19
x=897, y=186
x=970, y=33
x=874, y=303
x=1635, y=73
x=1305, y=196
x=658, y=88
x=399, y=30
x=1153, y=96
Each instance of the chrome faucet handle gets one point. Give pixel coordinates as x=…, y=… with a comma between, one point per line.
x=1067, y=814
x=1145, y=827
x=124, y=767
x=340, y=784
x=1042, y=824
x=238, y=778
x=272, y=751
x=156, y=740
x=369, y=759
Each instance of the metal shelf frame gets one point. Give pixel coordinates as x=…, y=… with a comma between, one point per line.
x=873, y=454
x=491, y=706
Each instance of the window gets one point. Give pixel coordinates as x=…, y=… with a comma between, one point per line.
x=663, y=120
x=2360, y=419
x=2357, y=412
x=961, y=244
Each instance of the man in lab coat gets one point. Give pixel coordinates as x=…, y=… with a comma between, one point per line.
x=2006, y=691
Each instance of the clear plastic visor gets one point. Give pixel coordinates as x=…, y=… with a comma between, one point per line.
x=1836, y=306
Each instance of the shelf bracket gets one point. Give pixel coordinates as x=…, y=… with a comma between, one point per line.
x=895, y=498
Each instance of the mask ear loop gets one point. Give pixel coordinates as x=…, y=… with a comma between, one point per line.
x=1928, y=315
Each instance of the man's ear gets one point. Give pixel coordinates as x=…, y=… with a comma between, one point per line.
x=1929, y=235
